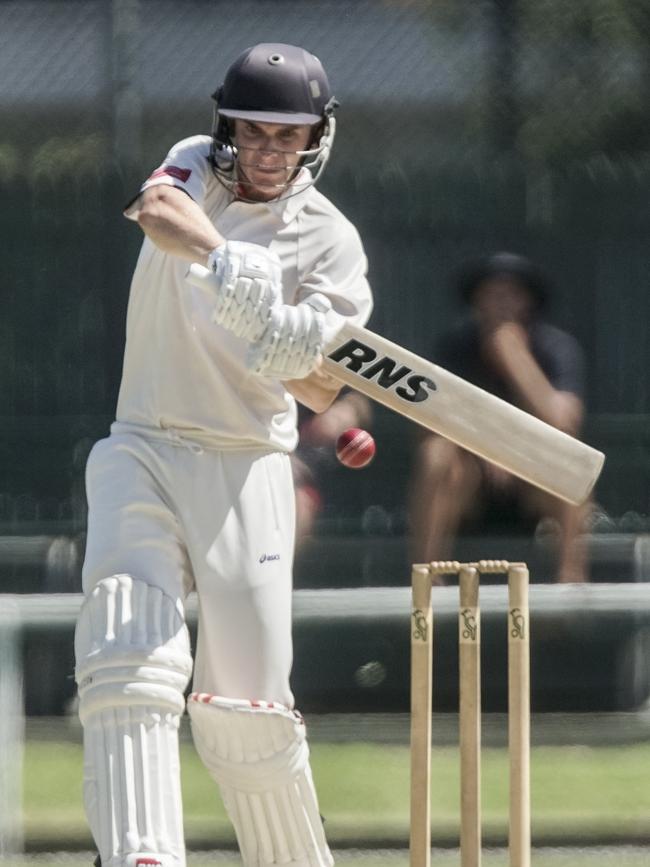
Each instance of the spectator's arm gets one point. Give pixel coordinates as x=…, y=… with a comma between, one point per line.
x=510, y=352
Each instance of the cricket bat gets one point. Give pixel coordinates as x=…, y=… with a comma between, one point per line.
x=450, y=406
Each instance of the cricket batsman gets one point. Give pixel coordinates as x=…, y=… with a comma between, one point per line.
x=192, y=489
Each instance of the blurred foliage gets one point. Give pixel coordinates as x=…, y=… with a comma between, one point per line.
x=563, y=81
x=9, y=161
x=547, y=81
x=594, y=96
x=64, y=157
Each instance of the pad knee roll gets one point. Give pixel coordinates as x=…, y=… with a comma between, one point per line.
x=132, y=648
x=257, y=752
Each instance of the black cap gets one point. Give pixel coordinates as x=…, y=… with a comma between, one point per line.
x=509, y=265
x=275, y=83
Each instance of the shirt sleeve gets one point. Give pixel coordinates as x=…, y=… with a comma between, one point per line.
x=186, y=167
x=340, y=274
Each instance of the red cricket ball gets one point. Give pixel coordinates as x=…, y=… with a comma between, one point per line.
x=355, y=448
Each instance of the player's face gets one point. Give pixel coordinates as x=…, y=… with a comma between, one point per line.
x=267, y=155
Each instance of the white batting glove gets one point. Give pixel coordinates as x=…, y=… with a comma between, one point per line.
x=248, y=283
x=291, y=344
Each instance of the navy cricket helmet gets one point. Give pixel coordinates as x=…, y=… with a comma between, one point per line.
x=274, y=83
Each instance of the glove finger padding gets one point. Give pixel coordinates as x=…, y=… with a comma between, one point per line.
x=248, y=283
x=291, y=344
x=257, y=753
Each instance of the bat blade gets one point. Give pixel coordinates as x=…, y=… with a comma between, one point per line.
x=472, y=418
x=448, y=405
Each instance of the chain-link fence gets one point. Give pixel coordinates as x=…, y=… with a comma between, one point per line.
x=464, y=127
x=418, y=81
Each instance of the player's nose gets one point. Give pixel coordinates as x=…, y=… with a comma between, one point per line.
x=268, y=152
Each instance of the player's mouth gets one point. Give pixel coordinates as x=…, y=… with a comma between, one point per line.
x=264, y=182
x=268, y=172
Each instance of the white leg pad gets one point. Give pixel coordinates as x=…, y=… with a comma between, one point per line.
x=258, y=754
x=133, y=664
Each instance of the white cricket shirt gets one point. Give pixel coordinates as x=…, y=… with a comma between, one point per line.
x=183, y=373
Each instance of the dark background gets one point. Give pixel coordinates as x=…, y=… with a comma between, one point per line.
x=465, y=127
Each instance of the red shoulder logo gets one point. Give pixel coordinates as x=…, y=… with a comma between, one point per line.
x=172, y=172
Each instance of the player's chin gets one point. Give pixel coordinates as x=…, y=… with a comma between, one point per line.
x=268, y=180
x=266, y=189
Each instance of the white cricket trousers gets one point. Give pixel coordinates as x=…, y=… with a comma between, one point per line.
x=166, y=517
x=180, y=517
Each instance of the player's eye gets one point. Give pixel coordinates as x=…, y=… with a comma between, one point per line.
x=251, y=131
x=287, y=136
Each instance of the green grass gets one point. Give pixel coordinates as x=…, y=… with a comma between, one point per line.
x=578, y=793
x=620, y=857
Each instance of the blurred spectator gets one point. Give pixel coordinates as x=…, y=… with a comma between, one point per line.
x=315, y=456
x=505, y=347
